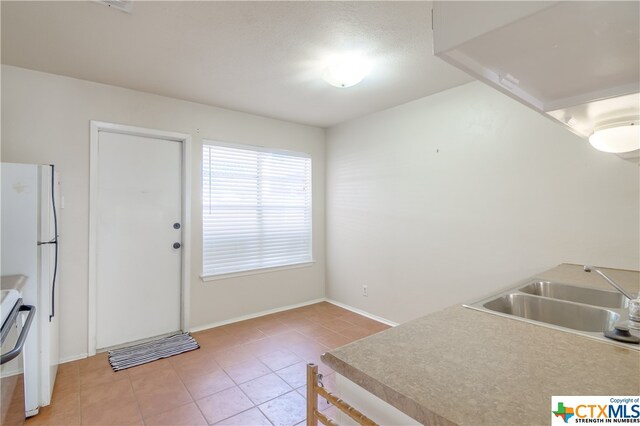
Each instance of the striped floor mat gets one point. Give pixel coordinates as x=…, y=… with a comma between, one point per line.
x=123, y=358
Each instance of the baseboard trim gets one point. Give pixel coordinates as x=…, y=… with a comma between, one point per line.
x=297, y=305
x=73, y=358
x=255, y=315
x=363, y=313
x=262, y=313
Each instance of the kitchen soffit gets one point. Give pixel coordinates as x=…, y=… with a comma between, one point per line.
x=567, y=53
x=264, y=58
x=577, y=61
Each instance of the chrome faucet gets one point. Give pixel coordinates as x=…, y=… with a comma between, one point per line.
x=610, y=281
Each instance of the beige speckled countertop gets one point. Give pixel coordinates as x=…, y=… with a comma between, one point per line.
x=13, y=282
x=461, y=366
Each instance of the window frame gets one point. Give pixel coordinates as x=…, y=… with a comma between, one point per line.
x=254, y=271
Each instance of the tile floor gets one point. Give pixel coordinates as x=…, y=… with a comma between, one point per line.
x=247, y=373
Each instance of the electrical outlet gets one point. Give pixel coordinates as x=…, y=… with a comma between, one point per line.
x=365, y=291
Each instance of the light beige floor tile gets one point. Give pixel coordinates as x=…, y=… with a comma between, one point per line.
x=188, y=414
x=208, y=383
x=161, y=392
x=252, y=417
x=280, y=359
x=224, y=404
x=109, y=415
x=295, y=375
x=115, y=393
x=286, y=410
x=265, y=388
x=246, y=371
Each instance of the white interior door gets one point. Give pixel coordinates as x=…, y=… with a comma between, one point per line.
x=138, y=269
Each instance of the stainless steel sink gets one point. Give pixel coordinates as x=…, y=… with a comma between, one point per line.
x=568, y=307
x=556, y=312
x=572, y=293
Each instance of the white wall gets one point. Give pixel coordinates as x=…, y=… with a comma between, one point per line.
x=431, y=203
x=45, y=119
x=453, y=196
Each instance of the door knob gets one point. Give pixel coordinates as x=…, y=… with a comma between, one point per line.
x=176, y=225
x=176, y=245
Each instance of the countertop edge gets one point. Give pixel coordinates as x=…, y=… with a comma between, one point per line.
x=403, y=403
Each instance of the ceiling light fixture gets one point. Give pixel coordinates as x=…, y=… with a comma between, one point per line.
x=346, y=70
x=122, y=5
x=617, y=137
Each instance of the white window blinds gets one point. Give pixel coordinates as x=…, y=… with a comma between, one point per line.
x=256, y=209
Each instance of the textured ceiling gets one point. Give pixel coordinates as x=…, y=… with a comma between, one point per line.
x=264, y=58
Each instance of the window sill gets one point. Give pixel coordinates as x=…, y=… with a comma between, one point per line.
x=256, y=271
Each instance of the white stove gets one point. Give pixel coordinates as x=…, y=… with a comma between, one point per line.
x=15, y=324
x=11, y=287
x=8, y=299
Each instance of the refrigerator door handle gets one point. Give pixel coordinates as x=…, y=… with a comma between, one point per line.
x=55, y=239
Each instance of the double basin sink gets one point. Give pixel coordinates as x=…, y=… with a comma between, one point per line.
x=580, y=310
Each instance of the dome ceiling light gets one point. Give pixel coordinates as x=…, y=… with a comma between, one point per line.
x=346, y=70
x=617, y=137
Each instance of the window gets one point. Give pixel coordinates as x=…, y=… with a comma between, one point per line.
x=256, y=209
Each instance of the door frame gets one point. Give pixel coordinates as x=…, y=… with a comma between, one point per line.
x=185, y=139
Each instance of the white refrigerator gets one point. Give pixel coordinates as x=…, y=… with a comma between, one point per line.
x=30, y=247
